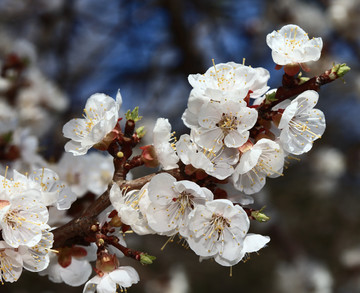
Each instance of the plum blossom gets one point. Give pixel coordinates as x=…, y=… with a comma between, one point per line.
x=300, y=124
x=73, y=170
x=291, y=44
x=164, y=149
x=265, y=158
x=11, y=263
x=52, y=190
x=131, y=207
x=222, y=124
x=218, y=164
x=218, y=230
x=122, y=277
x=101, y=114
x=71, y=265
x=222, y=82
x=36, y=258
x=91, y=172
x=172, y=201
x=100, y=170
x=22, y=218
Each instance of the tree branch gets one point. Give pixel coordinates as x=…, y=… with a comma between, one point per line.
x=68, y=234
x=293, y=86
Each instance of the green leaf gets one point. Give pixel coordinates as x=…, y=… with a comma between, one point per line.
x=133, y=115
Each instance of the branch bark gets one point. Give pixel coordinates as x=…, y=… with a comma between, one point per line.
x=78, y=228
x=292, y=87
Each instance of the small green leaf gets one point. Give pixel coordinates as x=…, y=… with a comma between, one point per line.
x=133, y=115
x=269, y=98
x=259, y=216
x=141, y=131
x=147, y=259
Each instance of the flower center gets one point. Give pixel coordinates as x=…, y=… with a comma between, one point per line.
x=13, y=219
x=228, y=123
x=185, y=200
x=218, y=224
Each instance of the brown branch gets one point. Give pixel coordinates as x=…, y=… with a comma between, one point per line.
x=292, y=87
x=79, y=228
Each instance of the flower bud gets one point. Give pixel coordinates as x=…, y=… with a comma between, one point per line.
x=146, y=259
x=343, y=69
x=259, y=216
x=140, y=131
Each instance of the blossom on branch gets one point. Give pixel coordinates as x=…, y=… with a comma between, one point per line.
x=122, y=277
x=218, y=230
x=101, y=115
x=131, y=207
x=10, y=263
x=164, y=148
x=217, y=164
x=291, y=45
x=224, y=123
x=265, y=158
x=171, y=203
x=300, y=124
x=224, y=82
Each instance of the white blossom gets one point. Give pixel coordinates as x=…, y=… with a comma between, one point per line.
x=122, y=277
x=100, y=170
x=264, y=159
x=218, y=229
x=218, y=164
x=164, y=148
x=222, y=124
x=128, y=206
x=73, y=170
x=172, y=201
x=10, y=263
x=300, y=124
x=291, y=44
x=100, y=118
x=74, y=272
x=22, y=218
x=36, y=258
x=222, y=82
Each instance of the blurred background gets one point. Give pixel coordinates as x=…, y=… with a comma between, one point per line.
x=59, y=52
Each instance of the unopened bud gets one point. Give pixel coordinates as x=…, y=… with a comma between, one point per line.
x=141, y=131
x=343, y=69
x=146, y=259
x=120, y=154
x=133, y=115
x=339, y=70
x=259, y=216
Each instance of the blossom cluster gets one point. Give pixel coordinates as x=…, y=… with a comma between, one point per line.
x=240, y=133
x=25, y=233
x=229, y=140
